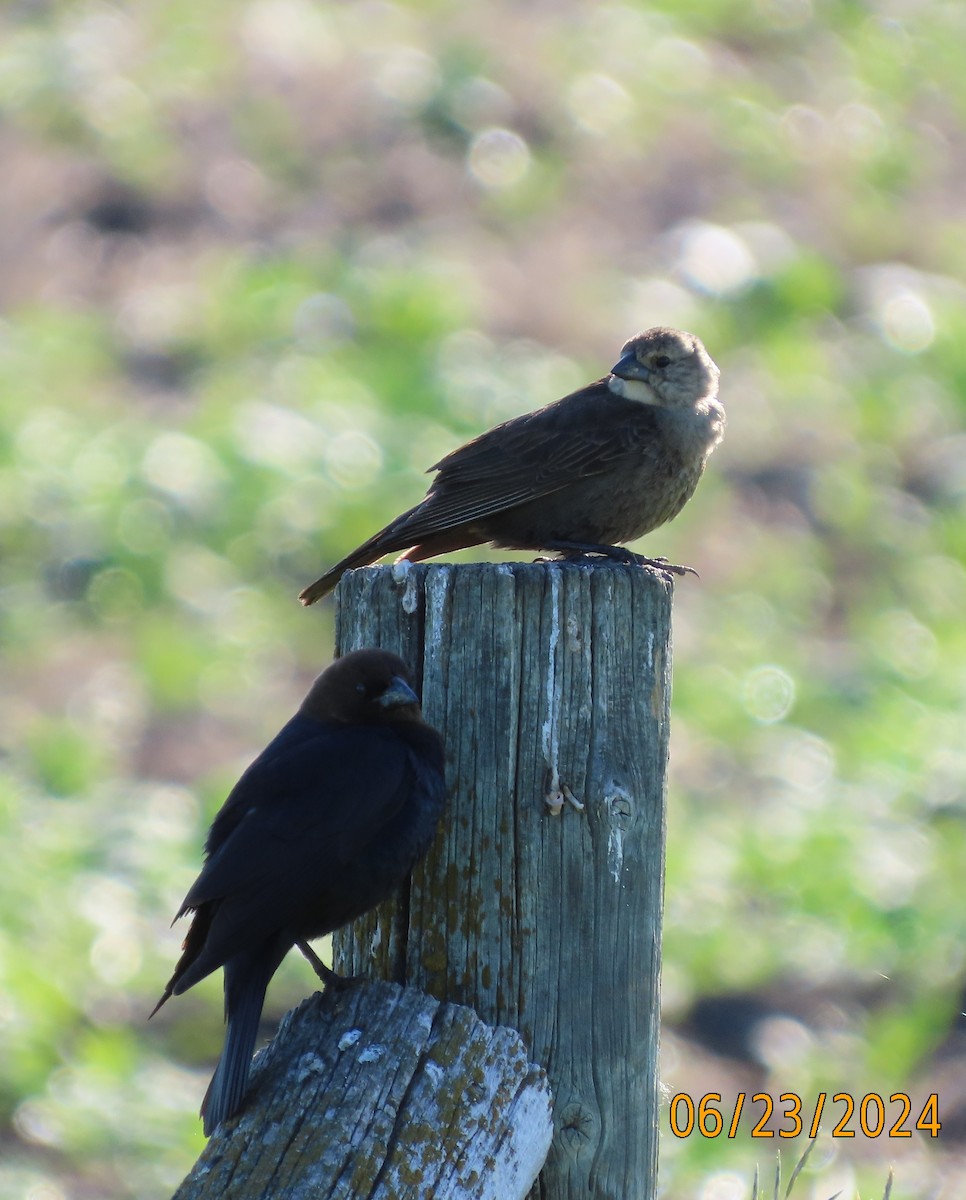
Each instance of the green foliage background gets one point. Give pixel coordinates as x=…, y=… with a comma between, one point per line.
x=263, y=262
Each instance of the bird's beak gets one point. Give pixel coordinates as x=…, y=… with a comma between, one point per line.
x=627, y=367
x=397, y=695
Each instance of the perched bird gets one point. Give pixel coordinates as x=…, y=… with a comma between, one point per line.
x=326, y=822
x=606, y=464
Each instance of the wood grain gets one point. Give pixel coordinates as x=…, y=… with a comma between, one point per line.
x=547, y=681
x=382, y=1093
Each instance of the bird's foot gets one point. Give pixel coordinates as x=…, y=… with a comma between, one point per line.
x=575, y=551
x=662, y=564
x=337, y=983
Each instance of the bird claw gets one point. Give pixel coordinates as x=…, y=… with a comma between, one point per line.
x=662, y=564
x=338, y=983
x=615, y=554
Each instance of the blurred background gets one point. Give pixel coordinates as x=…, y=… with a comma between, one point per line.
x=265, y=261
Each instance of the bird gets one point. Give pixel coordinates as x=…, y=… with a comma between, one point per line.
x=604, y=465
x=325, y=823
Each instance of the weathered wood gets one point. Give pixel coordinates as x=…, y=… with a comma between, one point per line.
x=381, y=1093
x=546, y=680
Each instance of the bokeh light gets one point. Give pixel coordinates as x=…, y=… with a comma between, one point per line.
x=263, y=265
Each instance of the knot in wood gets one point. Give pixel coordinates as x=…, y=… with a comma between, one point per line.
x=620, y=808
x=578, y=1125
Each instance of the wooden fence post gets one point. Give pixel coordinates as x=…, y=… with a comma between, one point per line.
x=540, y=903
x=376, y=1092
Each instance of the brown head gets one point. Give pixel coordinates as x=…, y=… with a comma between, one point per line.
x=667, y=367
x=363, y=687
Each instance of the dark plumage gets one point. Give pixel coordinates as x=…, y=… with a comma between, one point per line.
x=604, y=465
x=326, y=823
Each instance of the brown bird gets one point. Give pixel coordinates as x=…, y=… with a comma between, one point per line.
x=604, y=465
x=326, y=823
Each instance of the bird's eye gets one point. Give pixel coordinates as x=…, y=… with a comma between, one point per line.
x=662, y=360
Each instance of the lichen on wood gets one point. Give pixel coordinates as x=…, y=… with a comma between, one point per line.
x=540, y=903
x=382, y=1093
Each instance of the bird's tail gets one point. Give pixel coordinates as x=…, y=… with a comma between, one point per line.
x=246, y=982
x=367, y=553
x=394, y=537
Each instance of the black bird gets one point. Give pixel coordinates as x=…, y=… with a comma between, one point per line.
x=605, y=464
x=325, y=824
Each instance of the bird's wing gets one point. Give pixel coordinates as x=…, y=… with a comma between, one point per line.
x=334, y=789
x=532, y=456
x=299, y=738
x=304, y=810
x=301, y=815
